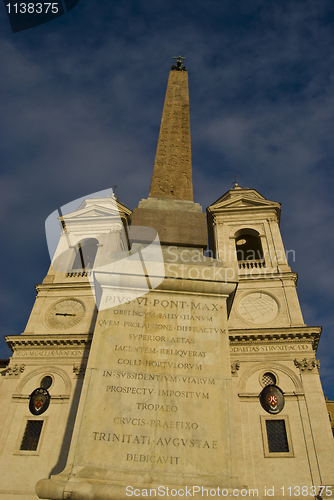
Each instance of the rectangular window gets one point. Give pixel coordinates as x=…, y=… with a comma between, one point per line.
x=31, y=435
x=277, y=438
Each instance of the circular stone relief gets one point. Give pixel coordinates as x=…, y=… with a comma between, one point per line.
x=258, y=308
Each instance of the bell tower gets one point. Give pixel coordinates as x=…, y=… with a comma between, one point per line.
x=272, y=350
x=51, y=354
x=244, y=233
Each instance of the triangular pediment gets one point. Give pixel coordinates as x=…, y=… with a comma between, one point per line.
x=242, y=198
x=93, y=212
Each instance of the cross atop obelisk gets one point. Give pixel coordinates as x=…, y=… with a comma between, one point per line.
x=172, y=172
x=179, y=65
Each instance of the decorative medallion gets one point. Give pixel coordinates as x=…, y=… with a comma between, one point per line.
x=39, y=401
x=65, y=314
x=258, y=308
x=272, y=399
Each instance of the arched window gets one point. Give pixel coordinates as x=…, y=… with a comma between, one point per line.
x=85, y=255
x=249, y=249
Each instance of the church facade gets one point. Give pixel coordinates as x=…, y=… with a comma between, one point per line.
x=147, y=365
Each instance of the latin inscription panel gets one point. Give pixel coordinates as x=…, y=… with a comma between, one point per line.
x=270, y=348
x=157, y=395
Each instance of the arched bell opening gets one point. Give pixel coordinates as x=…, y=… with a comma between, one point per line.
x=249, y=249
x=85, y=255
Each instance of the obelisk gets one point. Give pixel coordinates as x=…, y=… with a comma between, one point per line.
x=170, y=208
x=172, y=173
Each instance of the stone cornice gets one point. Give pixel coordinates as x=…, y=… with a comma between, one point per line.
x=231, y=214
x=267, y=274
x=64, y=285
x=240, y=208
x=277, y=335
x=16, y=342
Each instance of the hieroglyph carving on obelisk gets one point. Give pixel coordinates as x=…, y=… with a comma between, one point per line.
x=172, y=174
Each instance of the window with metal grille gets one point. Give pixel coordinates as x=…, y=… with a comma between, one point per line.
x=46, y=382
x=277, y=438
x=31, y=435
x=268, y=379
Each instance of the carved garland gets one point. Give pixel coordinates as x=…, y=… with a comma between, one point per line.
x=307, y=364
x=235, y=367
x=14, y=371
x=79, y=370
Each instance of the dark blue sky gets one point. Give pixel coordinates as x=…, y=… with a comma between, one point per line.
x=81, y=103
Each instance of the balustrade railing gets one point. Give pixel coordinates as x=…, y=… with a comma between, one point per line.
x=251, y=264
x=78, y=274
